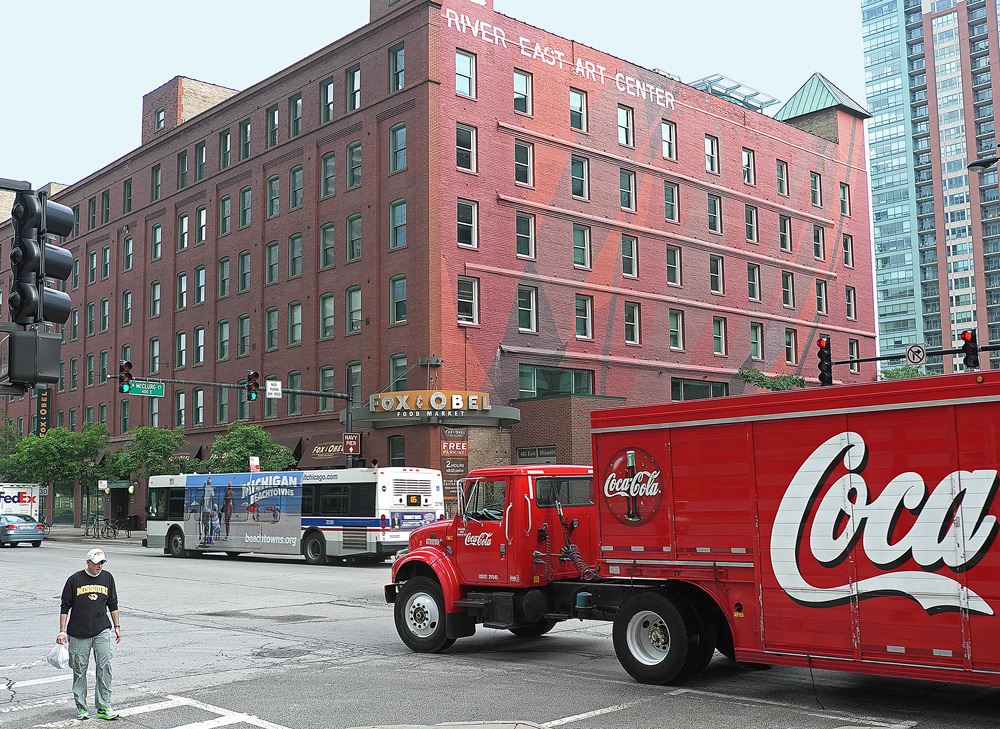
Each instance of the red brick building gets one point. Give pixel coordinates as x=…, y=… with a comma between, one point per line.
x=449, y=199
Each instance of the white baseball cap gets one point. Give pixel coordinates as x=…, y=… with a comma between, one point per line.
x=96, y=556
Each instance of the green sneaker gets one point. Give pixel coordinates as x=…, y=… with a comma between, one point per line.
x=84, y=714
x=106, y=714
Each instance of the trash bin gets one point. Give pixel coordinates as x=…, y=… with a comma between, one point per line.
x=133, y=522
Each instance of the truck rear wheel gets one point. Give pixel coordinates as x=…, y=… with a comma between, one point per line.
x=175, y=543
x=420, y=616
x=536, y=629
x=314, y=549
x=651, y=638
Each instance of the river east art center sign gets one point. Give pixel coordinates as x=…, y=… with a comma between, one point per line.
x=426, y=403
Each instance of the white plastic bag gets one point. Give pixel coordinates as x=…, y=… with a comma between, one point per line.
x=58, y=656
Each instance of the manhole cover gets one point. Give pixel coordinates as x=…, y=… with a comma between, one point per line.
x=279, y=653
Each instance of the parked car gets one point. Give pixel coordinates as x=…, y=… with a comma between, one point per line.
x=17, y=528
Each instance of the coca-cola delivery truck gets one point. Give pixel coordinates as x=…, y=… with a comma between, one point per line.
x=847, y=528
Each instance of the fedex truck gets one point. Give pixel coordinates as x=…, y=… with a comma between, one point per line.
x=849, y=528
x=20, y=498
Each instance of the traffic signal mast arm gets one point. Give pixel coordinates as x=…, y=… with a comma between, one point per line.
x=230, y=386
x=929, y=352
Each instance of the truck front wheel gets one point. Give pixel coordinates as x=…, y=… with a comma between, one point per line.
x=651, y=638
x=420, y=616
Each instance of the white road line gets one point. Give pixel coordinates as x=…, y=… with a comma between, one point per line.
x=213, y=723
x=37, y=681
x=596, y=712
x=244, y=718
x=157, y=706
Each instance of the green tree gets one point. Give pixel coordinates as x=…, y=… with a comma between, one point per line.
x=150, y=452
x=231, y=452
x=904, y=372
x=770, y=382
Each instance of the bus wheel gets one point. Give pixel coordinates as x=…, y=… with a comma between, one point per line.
x=314, y=549
x=651, y=638
x=175, y=543
x=419, y=615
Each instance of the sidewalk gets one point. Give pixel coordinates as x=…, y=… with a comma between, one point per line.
x=63, y=533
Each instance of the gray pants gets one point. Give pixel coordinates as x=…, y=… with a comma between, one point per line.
x=102, y=645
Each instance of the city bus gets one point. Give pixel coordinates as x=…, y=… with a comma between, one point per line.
x=359, y=514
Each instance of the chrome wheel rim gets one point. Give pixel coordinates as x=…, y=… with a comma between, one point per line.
x=648, y=638
x=422, y=616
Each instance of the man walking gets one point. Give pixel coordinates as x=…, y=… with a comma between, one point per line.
x=87, y=598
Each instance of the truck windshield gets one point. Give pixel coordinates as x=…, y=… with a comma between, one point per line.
x=567, y=490
x=484, y=500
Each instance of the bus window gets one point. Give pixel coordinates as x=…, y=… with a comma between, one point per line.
x=567, y=490
x=175, y=503
x=308, y=499
x=334, y=500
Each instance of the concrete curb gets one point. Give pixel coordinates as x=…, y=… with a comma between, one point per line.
x=60, y=533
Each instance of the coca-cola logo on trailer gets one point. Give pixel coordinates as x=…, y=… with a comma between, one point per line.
x=818, y=525
x=633, y=487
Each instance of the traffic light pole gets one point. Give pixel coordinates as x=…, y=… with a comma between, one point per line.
x=928, y=353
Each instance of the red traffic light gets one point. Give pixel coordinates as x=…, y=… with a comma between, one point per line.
x=967, y=335
x=821, y=343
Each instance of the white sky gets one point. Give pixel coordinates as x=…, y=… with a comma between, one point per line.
x=94, y=61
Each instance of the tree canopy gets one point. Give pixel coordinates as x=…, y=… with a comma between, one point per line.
x=231, y=452
x=770, y=382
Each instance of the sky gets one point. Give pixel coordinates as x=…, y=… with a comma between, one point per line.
x=71, y=89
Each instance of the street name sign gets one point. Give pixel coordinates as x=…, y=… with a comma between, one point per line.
x=148, y=389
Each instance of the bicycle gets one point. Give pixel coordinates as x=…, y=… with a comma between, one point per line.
x=46, y=528
x=93, y=526
x=122, y=525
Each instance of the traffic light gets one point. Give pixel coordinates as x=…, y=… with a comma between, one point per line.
x=33, y=260
x=253, y=385
x=124, y=376
x=825, y=361
x=970, y=349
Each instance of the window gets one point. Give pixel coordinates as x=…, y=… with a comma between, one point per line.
x=673, y=266
x=295, y=255
x=154, y=299
x=527, y=313
x=781, y=170
x=785, y=233
x=123, y=410
x=819, y=245
x=845, y=199
x=354, y=309
x=756, y=341
x=326, y=101
x=668, y=135
x=711, y=154
x=74, y=324
x=353, y=381
x=465, y=148
x=326, y=385
x=245, y=207
x=397, y=148
x=465, y=74
x=271, y=115
x=222, y=339
x=719, y=335
x=92, y=213
x=353, y=164
x=105, y=262
x=791, y=347
x=224, y=149
x=271, y=262
x=581, y=246
x=750, y=216
x=849, y=299
x=584, y=312
x=854, y=353
x=90, y=370
x=76, y=274
x=326, y=316
x=126, y=308
x=159, y=118
x=630, y=256
x=182, y=170
x=92, y=267
x=524, y=232
x=753, y=282
x=106, y=205
x=327, y=244
x=670, y=199
x=714, y=213
x=182, y=281
x=539, y=381
x=273, y=200
x=625, y=128
x=199, y=345
x=179, y=408
x=225, y=209
x=354, y=88
x=245, y=139
x=523, y=163
x=222, y=406
x=295, y=188
x=578, y=110
x=397, y=372
x=397, y=224
x=201, y=225
x=72, y=373
x=631, y=322
x=156, y=180
x=105, y=314
x=397, y=66
x=199, y=161
x=397, y=299
x=468, y=300
x=522, y=91
x=396, y=445
x=676, y=329
x=197, y=406
x=154, y=355
x=295, y=323
x=626, y=187
x=815, y=188
x=749, y=168
x=579, y=183
x=199, y=285
x=244, y=271
x=468, y=214
x=180, y=354
x=91, y=317
x=243, y=335
x=182, y=232
x=271, y=328
x=127, y=206
x=848, y=251
x=716, y=278
x=223, y=277
x=354, y=238
x=787, y=289
x=821, y=297
x=294, y=116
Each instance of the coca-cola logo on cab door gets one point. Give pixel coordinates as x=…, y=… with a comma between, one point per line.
x=633, y=487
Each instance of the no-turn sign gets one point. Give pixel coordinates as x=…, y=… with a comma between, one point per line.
x=915, y=354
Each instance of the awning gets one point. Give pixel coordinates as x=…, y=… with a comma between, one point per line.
x=322, y=451
x=292, y=443
x=190, y=450
x=108, y=450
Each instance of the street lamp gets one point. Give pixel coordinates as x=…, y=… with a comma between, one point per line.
x=983, y=164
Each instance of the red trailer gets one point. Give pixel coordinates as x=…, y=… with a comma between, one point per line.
x=845, y=528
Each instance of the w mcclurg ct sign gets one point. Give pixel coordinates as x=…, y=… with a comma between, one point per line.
x=387, y=408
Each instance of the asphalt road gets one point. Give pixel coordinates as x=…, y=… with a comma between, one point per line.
x=277, y=644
